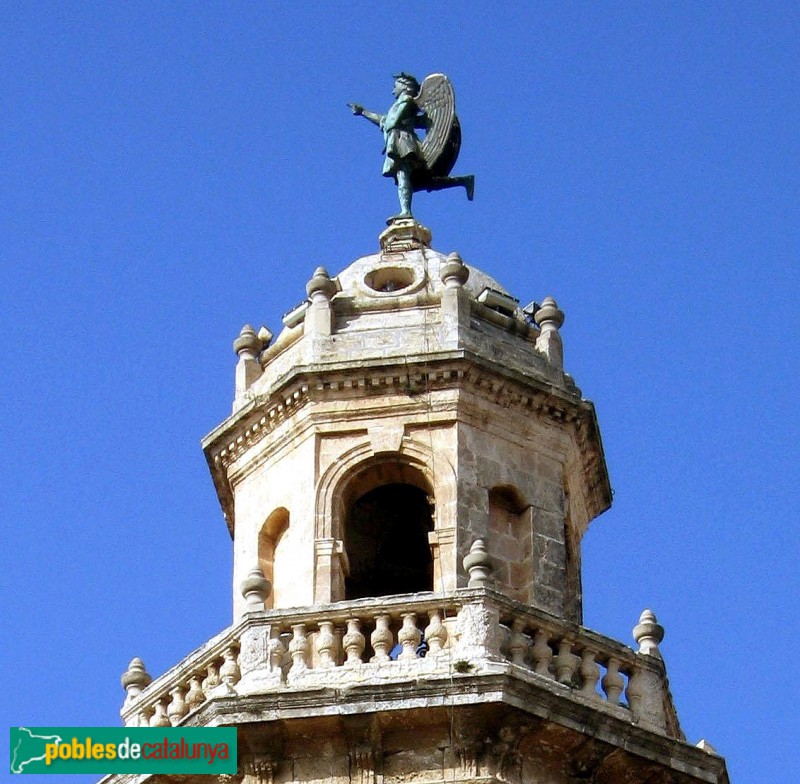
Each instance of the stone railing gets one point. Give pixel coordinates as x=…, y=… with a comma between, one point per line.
x=470, y=632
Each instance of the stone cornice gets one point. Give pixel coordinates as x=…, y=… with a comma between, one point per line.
x=460, y=369
x=471, y=706
x=505, y=685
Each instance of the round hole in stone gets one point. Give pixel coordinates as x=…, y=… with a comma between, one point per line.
x=389, y=279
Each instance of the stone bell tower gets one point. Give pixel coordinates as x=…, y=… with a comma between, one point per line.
x=406, y=475
x=408, y=408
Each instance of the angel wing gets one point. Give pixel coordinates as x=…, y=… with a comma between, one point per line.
x=437, y=101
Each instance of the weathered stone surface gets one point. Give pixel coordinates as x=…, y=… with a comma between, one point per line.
x=412, y=370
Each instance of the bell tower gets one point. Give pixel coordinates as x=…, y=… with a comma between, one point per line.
x=406, y=475
x=407, y=410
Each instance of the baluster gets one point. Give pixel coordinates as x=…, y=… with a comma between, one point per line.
x=132, y=720
x=519, y=643
x=409, y=637
x=354, y=643
x=177, y=709
x=566, y=663
x=276, y=652
x=160, y=718
x=590, y=674
x=435, y=633
x=326, y=645
x=613, y=683
x=542, y=653
x=144, y=716
x=298, y=650
x=381, y=639
x=194, y=697
x=211, y=681
x=229, y=673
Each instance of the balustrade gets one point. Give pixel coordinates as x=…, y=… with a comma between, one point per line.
x=383, y=638
x=594, y=667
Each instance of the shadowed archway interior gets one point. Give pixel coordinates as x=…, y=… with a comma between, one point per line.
x=386, y=538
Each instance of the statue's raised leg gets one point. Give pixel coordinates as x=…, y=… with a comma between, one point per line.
x=442, y=183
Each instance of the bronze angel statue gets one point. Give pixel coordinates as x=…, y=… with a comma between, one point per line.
x=420, y=164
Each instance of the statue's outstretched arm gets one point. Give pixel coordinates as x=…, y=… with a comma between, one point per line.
x=358, y=109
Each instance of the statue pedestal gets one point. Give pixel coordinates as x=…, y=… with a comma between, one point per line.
x=404, y=234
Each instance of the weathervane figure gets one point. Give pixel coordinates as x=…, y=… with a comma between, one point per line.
x=420, y=165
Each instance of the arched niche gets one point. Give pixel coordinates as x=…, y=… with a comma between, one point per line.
x=511, y=542
x=272, y=565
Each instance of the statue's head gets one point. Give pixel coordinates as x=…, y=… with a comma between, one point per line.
x=405, y=83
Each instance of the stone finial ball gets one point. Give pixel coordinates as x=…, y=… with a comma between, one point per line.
x=247, y=341
x=136, y=674
x=648, y=633
x=549, y=313
x=256, y=583
x=454, y=269
x=321, y=282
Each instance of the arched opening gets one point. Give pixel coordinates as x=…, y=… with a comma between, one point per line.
x=386, y=534
x=269, y=539
x=511, y=542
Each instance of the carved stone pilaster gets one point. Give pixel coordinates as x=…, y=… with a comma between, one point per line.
x=468, y=743
x=477, y=632
x=259, y=769
x=331, y=567
x=364, y=749
x=586, y=761
x=260, y=660
x=646, y=697
x=504, y=754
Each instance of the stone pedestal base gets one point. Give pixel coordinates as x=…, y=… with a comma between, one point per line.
x=404, y=234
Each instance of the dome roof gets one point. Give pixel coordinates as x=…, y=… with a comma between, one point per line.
x=382, y=275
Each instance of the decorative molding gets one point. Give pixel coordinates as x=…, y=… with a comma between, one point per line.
x=254, y=431
x=503, y=392
x=547, y=401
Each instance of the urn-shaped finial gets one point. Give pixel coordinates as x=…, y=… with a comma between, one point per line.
x=550, y=318
x=321, y=284
x=549, y=315
x=478, y=564
x=247, y=344
x=255, y=589
x=648, y=633
x=454, y=272
x=136, y=677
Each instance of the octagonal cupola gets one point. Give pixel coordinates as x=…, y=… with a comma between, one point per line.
x=408, y=409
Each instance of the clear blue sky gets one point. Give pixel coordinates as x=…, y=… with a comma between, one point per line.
x=173, y=170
